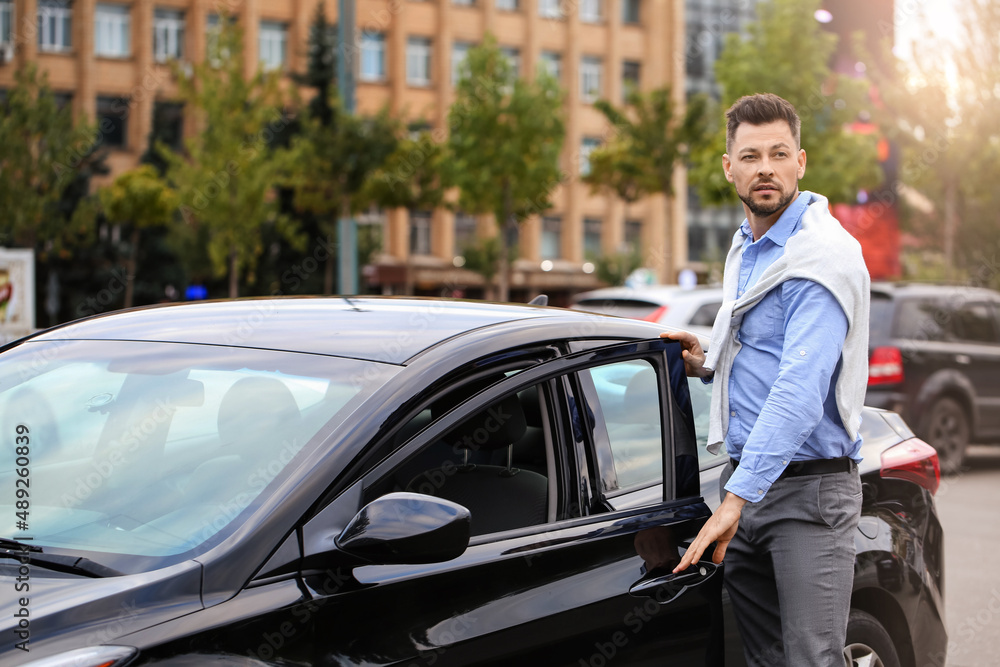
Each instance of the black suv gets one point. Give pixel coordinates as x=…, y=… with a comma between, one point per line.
x=935, y=359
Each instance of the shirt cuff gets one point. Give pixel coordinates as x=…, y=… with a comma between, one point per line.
x=747, y=485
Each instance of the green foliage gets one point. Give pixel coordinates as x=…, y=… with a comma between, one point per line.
x=648, y=142
x=415, y=176
x=321, y=67
x=45, y=161
x=139, y=197
x=942, y=106
x=335, y=161
x=225, y=181
x=787, y=53
x=505, y=140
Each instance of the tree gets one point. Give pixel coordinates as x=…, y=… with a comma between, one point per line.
x=321, y=65
x=788, y=54
x=226, y=179
x=333, y=164
x=506, y=137
x=46, y=158
x=141, y=199
x=942, y=106
x=647, y=144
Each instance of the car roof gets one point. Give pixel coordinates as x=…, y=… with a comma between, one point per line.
x=385, y=329
x=932, y=290
x=660, y=294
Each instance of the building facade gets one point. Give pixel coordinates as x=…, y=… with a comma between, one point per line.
x=110, y=61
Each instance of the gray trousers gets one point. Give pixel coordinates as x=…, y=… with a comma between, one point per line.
x=790, y=570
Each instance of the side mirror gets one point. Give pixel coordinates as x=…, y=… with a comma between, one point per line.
x=407, y=528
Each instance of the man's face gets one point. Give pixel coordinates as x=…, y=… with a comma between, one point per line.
x=765, y=166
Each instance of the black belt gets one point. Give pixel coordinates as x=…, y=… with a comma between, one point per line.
x=815, y=466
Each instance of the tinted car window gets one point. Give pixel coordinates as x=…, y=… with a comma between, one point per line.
x=922, y=319
x=974, y=322
x=881, y=317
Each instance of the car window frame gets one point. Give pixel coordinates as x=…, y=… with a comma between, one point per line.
x=574, y=454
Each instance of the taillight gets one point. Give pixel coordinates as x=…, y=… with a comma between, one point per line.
x=913, y=460
x=885, y=366
x=656, y=314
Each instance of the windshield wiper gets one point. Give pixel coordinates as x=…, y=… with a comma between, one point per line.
x=29, y=553
x=7, y=543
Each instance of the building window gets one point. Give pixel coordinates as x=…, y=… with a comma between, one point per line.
x=459, y=52
x=549, y=9
x=168, y=124
x=112, y=114
x=418, y=61
x=633, y=235
x=272, y=42
x=630, y=77
x=372, y=56
x=213, y=30
x=55, y=25
x=63, y=100
x=513, y=56
x=591, y=238
x=465, y=232
x=551, y=62
x=630, y=11
x=507, y=5
x=590, y=11
x=587, y=146
x=168, y=35
x=420, y=232
x=590, y=78
x=551, y=237
x=6, y=21
x=111, y=31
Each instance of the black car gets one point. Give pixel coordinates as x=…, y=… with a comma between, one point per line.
x=935, y=359
x=373, y=481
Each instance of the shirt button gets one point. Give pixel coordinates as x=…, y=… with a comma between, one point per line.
x=732, y=413
x=784, y=463
x=760, y=492
x=802, y=353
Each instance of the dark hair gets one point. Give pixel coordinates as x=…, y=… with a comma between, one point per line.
x=761, y=109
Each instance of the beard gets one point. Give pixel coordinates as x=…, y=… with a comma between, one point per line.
x=764, y=209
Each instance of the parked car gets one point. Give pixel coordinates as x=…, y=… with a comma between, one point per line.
x=693, y=309
x=935, y=359
x=394, y=482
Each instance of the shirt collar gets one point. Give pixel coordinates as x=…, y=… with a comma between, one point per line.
x=787, y=222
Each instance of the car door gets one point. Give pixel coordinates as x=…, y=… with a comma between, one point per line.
x=563, y=586
x=974, y=327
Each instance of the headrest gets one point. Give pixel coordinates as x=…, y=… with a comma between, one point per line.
x=499, y=425
x=254, y=407
x=642, y=398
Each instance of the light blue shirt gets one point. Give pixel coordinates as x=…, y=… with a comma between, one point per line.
x=782, y=403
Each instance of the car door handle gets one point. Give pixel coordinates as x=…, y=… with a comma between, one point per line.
x=963, y=359
x=666, y=586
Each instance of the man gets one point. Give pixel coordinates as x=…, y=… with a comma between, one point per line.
x=788, y=358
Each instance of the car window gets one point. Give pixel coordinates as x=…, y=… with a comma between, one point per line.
x=152, y=449
x=499, y=463
x=974, y=322
x=628, y=395
x=701, y=402
x=922, y=319
x=705, y=315
x=880, y=319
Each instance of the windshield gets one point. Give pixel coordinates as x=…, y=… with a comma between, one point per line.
x=157, y=449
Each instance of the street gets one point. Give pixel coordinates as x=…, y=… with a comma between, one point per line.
x=969, y=507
